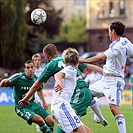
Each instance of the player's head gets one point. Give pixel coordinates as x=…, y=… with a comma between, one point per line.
x=50, y=51
x=116, y=28
x=29, y=68
x=37, y=60
x=70, y=56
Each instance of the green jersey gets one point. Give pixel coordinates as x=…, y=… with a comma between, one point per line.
x=21, y=84
x=80, y=81
x=54, y=66
x=82, y=96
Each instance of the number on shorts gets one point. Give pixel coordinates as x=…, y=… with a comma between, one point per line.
x=77, y=119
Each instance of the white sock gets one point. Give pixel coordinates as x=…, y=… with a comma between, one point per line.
x=94, y=106
x=121, y=123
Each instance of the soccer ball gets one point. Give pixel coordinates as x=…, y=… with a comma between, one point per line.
x=38, y=16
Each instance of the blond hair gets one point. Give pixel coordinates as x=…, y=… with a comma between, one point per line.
x=70, y=56
x=36, y=55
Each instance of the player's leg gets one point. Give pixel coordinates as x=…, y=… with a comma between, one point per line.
x=97, y=114
x=50, y=122
x=45, y=115
x=115, y=86
x=40, y=121
x=82, y=129
x=88, y=130
x=37, y=100
x=29, y=115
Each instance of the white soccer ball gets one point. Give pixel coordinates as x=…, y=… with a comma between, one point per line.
x=38, y=16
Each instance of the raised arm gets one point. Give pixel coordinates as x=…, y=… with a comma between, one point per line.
x=94, y=68
x=4, y=81
x=94, y=59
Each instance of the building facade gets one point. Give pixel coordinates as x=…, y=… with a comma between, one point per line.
x=70, y=7
x=99, y=14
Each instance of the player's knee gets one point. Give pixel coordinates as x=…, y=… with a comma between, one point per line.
x=115, y=110
x=40, y=121
x=51, y=122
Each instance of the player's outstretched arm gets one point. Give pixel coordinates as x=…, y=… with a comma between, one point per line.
x=94, y=68
x=4, y=81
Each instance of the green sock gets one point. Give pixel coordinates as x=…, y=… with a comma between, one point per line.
x=59, y=130
x=51, y=128
x=45, y=129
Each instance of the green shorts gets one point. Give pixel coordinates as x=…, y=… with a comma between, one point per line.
x=27, y=112
x=80, y=100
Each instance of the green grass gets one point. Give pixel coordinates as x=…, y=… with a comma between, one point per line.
x=11, y=123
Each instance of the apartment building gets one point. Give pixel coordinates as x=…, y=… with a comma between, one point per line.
x=71, y=7
x=99, y=14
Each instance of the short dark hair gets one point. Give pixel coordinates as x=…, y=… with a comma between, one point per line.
x=118, y=26
x=28, y=62
x=50, y=49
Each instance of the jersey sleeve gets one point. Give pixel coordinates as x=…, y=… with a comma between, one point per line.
x=130, y=48
x=111, y=52
x=82, y=67
x=13, y=80
x=46, y=74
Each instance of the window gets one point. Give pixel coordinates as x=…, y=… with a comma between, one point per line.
x=100, y=39
x=122, y=7
x=80, y=3
x=111, y=9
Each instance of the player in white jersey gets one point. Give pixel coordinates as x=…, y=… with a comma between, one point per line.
x=38, y=70
x=112, y=83
x=61, y=109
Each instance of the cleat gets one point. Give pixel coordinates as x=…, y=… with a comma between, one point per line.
x=104, y=122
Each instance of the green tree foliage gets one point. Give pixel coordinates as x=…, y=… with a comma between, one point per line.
x=13, y=33
x=74, y=30
x=20, y=38
x=39, y=35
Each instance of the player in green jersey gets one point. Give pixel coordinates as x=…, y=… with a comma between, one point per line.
x=82, y=97
x=21, y=83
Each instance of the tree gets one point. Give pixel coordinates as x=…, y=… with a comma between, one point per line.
x=20, y=38
x=13, y=33
x=38, y=35
x=74, y=30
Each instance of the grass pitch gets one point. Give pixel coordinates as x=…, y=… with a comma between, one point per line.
x=11, y=123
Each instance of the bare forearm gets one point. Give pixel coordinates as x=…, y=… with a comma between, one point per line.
x=94, y=59
x=40, y=94
x=58, y=77
x=94, y=68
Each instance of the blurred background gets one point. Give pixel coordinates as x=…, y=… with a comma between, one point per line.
x=82, y=24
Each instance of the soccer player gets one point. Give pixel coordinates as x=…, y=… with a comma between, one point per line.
x=61, y=109
x=21, y=82
x=38, y=70
x=112, y=83
x=82, y=94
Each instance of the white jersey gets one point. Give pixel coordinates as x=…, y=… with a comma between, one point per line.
x=117, y=55
x=38, y=71
x=69, y=84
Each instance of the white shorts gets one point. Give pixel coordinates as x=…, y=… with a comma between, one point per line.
x=37, y=99
x=65, y=117
x=110, y=87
